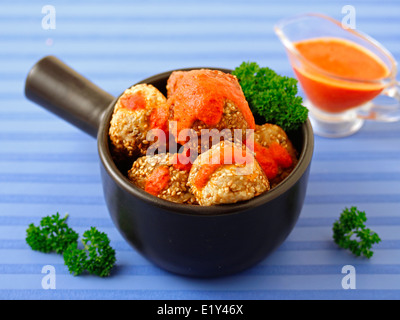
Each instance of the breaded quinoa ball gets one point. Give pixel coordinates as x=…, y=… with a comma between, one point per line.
x=274, y=151
x=131, y=119
x=268, y=133
x=203, y=100
x=217, y=178
x=162, y=176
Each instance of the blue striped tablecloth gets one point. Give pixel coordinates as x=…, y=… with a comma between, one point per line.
x=49, y=166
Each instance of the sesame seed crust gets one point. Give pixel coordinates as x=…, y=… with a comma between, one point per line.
x=230, y=183
x=128, y=128
x=177, y=191
x=231, y=120
x=267, y=134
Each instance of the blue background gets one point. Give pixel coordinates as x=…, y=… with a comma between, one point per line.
x=49, y=166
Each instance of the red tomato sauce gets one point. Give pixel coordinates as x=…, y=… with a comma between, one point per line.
x=225, y=156
x=272, y=158
x=201, y=95
x=280, y=155
x=182, y=161
x=133, y=102
x=266, y=161
x=204, y=174
x=159, y=118
x=339, y=58
x=158, y=180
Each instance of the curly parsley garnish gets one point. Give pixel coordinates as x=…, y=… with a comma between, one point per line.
x=272, y=96
x=97, y=256
x=54, y=235
x=350, y=232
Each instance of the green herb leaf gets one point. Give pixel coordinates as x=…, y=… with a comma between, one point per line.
x=97, y=256
x=53, y=234
x=272, y=96
x=350, y=232
x=75, y=259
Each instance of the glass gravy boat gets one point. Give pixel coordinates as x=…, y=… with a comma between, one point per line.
x=338, y=105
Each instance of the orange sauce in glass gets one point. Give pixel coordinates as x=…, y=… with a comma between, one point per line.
x=352, y=73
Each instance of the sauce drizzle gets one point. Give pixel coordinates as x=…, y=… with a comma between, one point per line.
x=133, y=102
x=158, y=180
x=202, y=94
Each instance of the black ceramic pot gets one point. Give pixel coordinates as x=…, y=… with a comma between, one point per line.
x=184, y=239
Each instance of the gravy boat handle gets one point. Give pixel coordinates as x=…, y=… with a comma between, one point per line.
x=389, y=112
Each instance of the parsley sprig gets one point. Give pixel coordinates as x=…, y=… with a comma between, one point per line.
x=97, y=256
x=272, y=96
x=350, y=232
x=54, y=235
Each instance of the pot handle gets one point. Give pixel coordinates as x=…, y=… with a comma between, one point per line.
x=58, y=88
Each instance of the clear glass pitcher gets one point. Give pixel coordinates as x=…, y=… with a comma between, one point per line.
x=339, y=104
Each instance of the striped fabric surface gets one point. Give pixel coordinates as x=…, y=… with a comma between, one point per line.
x=49, y=166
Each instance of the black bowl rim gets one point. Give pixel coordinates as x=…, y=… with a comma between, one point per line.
x=123, y=182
